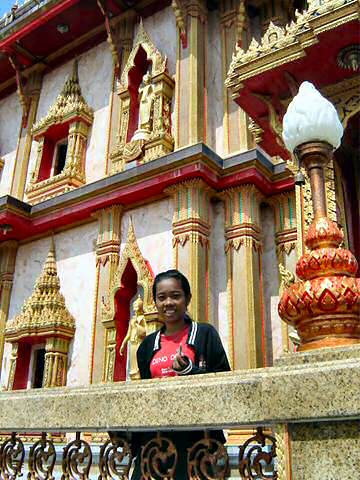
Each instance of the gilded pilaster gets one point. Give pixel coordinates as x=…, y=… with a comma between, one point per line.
x=191, y=230
x=243, y=250
x=107, y=261
x=8, y=252
x=56, y=350
x=121, y=42
x=191, y=78
x=23, y=150
x=233, y=20
x=284, y=206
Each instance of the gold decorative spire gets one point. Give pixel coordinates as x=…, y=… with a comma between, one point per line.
x=44, y=313
x=69, y=103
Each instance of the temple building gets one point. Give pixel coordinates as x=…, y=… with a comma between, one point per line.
x=139, y=136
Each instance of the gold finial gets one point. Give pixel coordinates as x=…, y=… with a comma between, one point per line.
x=50, y=263
x=131, y=231
x=75, y=68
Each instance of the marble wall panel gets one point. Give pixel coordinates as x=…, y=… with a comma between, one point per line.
x=270, y=276
x=95, y=74
x=218, y=280
x=161, y=28
x=153, y=230
x=77, y=272
x=10, y=121
x=215, y=86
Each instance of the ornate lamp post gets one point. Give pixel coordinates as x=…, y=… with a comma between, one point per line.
x=324, y=304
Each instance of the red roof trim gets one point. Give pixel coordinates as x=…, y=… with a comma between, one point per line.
x=43, y=18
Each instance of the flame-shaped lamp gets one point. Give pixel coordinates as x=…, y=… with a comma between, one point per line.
x=324, y=304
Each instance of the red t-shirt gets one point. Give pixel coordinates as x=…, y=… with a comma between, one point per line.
x=162, y=361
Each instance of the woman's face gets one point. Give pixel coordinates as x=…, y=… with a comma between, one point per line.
x=170, y=300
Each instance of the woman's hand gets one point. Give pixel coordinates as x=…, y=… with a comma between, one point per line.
x=180, y=362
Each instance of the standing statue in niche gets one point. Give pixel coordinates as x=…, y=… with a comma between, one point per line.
x=134, y=336
x=146, y=100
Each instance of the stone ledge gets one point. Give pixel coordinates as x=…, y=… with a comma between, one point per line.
x=302, y=393
x=320, y=355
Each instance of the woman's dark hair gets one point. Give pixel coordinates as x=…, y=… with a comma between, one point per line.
x=177, y=276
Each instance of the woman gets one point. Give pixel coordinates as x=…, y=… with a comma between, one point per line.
x=180, y=347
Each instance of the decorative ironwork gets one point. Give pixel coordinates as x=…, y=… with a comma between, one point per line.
x=115, y=459
x=12, y=455
x=158, y=459
x=253, y=458
x=77, y=460
x=208, y=460
x=42, y=457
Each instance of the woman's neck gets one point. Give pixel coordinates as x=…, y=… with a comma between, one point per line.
x=174, y=327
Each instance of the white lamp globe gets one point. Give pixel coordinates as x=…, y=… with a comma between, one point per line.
x=311, y=117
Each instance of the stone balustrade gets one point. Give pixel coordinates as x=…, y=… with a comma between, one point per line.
x=315, y=395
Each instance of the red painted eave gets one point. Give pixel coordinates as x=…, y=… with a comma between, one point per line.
x=40, y=19
x=318, y=66
x=36, y=39
x=27, y=226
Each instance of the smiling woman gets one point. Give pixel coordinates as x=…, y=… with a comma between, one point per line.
x=180, y=347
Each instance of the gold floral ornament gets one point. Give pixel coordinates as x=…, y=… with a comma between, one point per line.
x=45, y=316
x=145, y=112
x=67, y=123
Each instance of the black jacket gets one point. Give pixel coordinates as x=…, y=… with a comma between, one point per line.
x=210, y=355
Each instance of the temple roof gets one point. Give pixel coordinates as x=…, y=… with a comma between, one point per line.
x=70, y=27
x=44, y=313
x=69, y=103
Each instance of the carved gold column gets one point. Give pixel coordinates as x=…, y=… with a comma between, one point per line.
x=120, y=41
x=233, y=32
x=107, y=260
x=191, y=229
x=55, y=362
x=284, y=206
x=23, y=150
x=243, y=251
x=8, y=252
x=191, y=17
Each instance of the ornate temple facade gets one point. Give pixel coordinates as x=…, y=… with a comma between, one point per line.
x=141, y=136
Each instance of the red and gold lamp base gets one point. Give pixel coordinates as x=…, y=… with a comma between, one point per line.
x=324, y=304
